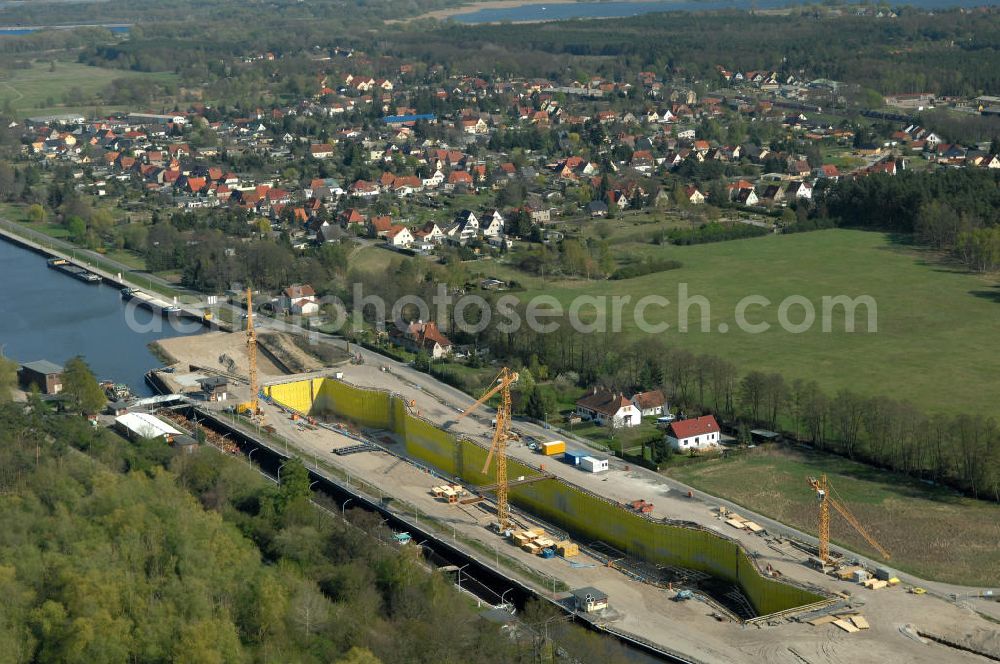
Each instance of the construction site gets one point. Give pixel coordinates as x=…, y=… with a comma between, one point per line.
x=675, y=568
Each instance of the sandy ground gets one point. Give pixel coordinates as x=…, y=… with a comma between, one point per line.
x=639, y=608
x=204, y=350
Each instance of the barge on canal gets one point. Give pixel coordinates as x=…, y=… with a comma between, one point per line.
x=147, y=300
x=74, y=271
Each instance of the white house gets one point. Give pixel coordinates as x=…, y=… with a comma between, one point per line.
x=399, y=236
x=650, y=404
x=695, y=434
x=434, y=180
x=465, y=228
x=492, y=225
x=605, y=407
x=300, y=299
x=799, y=190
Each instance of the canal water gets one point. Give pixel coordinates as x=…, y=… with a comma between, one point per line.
x=45, y=314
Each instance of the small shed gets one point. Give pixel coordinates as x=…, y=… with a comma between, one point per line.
x=764, y=436
x=45, y=375
x=185, y=444
x=590, y=599
x=214, y=388
x=117, y=408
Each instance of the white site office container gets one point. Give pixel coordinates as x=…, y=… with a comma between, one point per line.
x=592, y=465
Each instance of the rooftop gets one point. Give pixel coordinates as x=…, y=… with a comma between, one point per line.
x=43, y=367
x=146, y=425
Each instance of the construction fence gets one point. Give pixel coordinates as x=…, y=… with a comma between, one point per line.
x=583, y=514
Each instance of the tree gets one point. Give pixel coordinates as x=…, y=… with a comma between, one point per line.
x=36, y=213
x=540, y=404
x=77, y=228
x=8, y=378
x=422, y=362
x=294, y=484
x=80, y=387
x=358, y=655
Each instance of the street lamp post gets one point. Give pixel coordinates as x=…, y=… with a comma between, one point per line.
x=502, y=595
x=250, y=456
x=460, y=575
x=343, y=508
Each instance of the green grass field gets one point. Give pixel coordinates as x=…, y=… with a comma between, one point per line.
x=41, y=91
x=936, y=325
x=956, y=538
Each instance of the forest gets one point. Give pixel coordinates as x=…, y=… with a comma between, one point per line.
x=117, y=551
x=947, y=53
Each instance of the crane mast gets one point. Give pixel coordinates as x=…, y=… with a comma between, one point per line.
x=822, y=488
x=501, y=434
x=252, y=354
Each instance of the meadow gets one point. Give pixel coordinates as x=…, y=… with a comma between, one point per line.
x=956, y=541
x=42, y=90
x=935, y=323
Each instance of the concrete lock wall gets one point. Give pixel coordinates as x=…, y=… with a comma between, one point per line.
x=584, y=515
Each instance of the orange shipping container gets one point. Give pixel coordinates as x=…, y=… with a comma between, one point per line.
x=554, y=447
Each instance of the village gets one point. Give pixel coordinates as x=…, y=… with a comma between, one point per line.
x=414, y=162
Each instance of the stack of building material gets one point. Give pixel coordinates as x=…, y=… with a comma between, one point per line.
x=736, y=521
x=535, y=540
x=449, y=492
x=847, y=573
x=641, y=506
x=845, y=625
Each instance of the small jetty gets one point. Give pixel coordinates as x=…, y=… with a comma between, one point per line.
x=73, y=270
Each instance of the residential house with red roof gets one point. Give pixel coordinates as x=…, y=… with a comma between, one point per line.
x=697, y=433
x=420, y=336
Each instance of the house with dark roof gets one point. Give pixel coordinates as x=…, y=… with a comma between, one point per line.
x=697, y=433
x=606, y=407
x=651, y=403
x=45, y=375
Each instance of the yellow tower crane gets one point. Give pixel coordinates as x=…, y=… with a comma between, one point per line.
x=498, y=448
x=822, y=489
x=252, y=354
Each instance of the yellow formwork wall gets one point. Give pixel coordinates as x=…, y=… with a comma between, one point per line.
x=298, y=395
x=584, y=515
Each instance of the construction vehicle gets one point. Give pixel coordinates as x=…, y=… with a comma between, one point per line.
x=822, y=489
x=498, y=448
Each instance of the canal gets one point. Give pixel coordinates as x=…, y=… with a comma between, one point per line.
x=45, y=314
